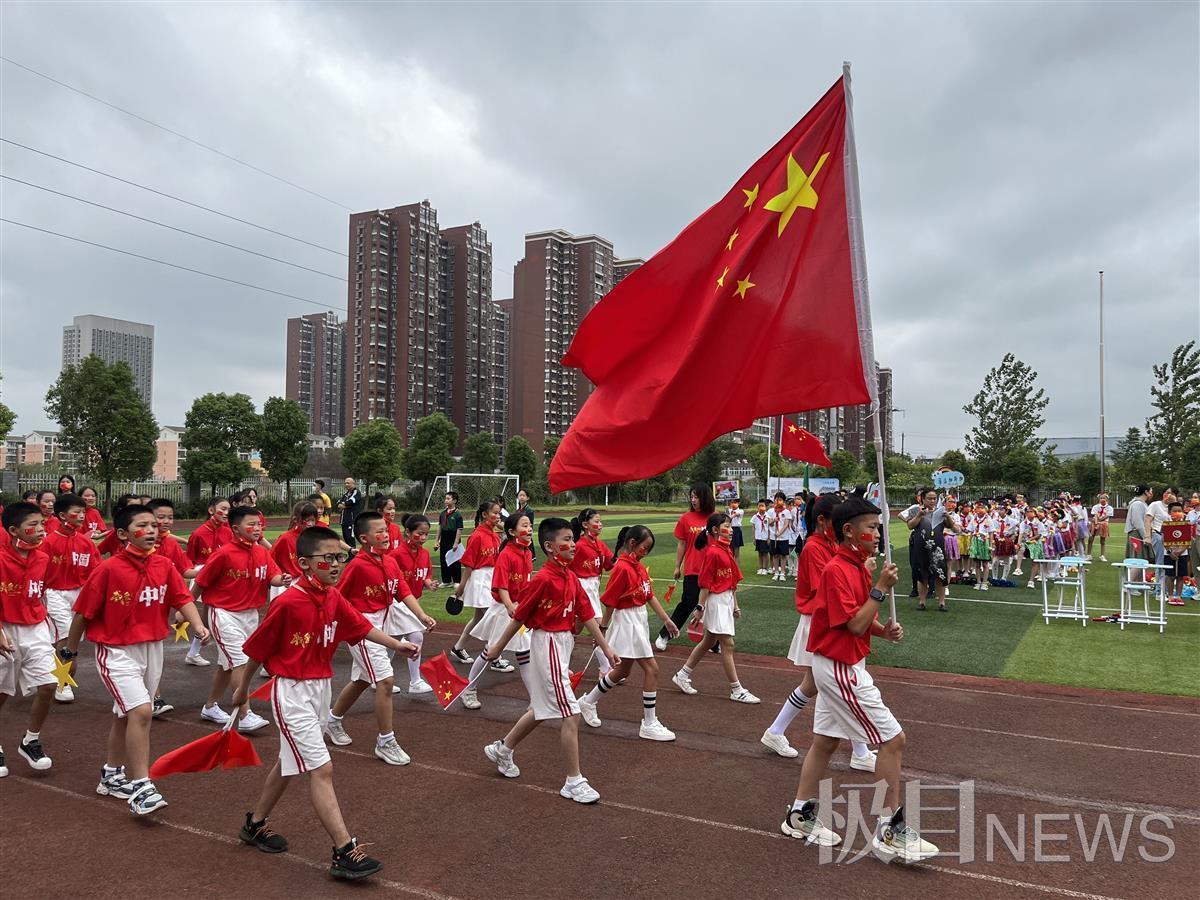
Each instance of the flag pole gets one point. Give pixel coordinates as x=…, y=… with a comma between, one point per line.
x=883, y=504
x=770, y=453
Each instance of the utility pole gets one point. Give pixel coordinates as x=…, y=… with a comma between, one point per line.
x=902, y=443
x=1102, y=454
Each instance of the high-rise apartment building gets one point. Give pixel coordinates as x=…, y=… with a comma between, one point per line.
x=501, y=350
x=316, y=370
x=850, y=428
x=396, y=337
x=561, y=277
x=468, y=372
x=113, y=340
x=623, y=267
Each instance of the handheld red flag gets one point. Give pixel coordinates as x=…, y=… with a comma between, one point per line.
x=576, y=677
x=775, y=268
x=264, y=690
x=447, y=683
x=666, y=600
x=224, y=749
x=802, y=445
x=695, y=631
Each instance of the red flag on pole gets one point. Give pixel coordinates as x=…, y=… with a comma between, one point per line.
x=447, y=683
x=695, y=631
x=775, y=268
x=802, y=445
x=264, y=690
x=224, y=749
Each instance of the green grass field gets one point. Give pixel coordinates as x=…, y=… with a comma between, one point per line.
x=999, y=633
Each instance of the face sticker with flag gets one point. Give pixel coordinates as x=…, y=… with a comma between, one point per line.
x=446, y=682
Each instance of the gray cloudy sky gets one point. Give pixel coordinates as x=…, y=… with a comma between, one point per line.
x=1007, y=152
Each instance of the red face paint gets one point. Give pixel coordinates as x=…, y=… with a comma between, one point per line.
x=323, y=566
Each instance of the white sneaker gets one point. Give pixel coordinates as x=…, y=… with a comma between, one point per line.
x=660, y=643
x=501, y=665
x=1103, y=558
x=655, y=731
x=196, y=660
x=64, y=694
x=252, y=721
x=580, y=792
x=741, y=695
x=420, y=686
x=901, y=843
x=214, y=713
x=761, y=572
x=1018, y=573
x=503, y=758
x=808, y=829
x=336, y=733
x=392, y=753
x=470, y=700
x=683, y=682
x=779, y=744
x=864, y=763
x=588, y=712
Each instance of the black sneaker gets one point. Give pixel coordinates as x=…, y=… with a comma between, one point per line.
x=262, y=837
x=33, y=754
x=351, y=862
x=3, y=767
x=461, y=656
x=161, y=706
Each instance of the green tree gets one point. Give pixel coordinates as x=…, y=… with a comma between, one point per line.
x=284, y=444
x=549, y=447
x=846, y=469
x=216, y=429
x=104, y=421
x=7, y=418
x=1084, y=475
x=1009, y=413
x=959, y=462
x=756, y=455
x=519, y=459
x=1134, y=462
x=325, y=463
x=481, y=453
x=430, y=454
x=708, y=465
x=1176, y=400
x=374, y=453
x=1022, y=468
x=1054, y=470
x=1188, y=474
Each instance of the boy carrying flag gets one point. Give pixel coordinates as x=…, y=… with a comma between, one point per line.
x=296, y=642
x=72, y=557
x=123, y=609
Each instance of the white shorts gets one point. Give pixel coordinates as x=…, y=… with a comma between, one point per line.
x=591, y=587
x=798, y=653
x=492, y=625
x=32, y=660
x=849, y=705
x=229, y=631
x=718, y=613
x=400, y=620
x=478, y=592
x=371, y=662
x=301, y=711
x=61, y=608
x=629, y=633
x=131, y=673
x=549, y=681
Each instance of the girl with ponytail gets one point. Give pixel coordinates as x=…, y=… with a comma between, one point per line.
x=592, y=558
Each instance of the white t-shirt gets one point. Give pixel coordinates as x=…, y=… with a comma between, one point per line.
x=780, y=522
x=761, y=529
x=1105, y=509
x=1158, y=514
x=735, y=517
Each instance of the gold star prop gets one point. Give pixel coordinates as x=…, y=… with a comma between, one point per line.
x=743, y=286
x=62, y=672
x=751, y=196
x=721, y=280
x=733, y=237
x=181, y=631
x=799, y=192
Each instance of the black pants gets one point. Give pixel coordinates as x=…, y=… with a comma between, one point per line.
x=686, y=605
x=348, y=534
x=450, y=573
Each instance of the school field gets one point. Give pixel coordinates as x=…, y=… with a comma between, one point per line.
x=999, y=633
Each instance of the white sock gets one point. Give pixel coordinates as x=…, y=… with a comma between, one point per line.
x=735, y=686
x=333, y=720
x=384, y=738
x=194, y=647
x=858, y=748
x=603, y=686
x=649, y=706
x=523, y=670
x=601, y=661
x=791, y=708
x=31, y=736
x=414, y=665
x=477, y=667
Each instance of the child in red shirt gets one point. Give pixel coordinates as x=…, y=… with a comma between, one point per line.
x=416, y=570
x=592, y=559
x=93, y=523
x=283, y=551
x=630, y=589
x=475, y=589
x=374, y=585
x=168, y=543
x=513, y=569
x=386, y=507
x=234, y=584
x=690, y=526
x=548, y=608
x=718, y=606
x=844, y=617
x=296, y=642
x=72, y=557
x=27, y=663
x=123, y=608
x=203, y=543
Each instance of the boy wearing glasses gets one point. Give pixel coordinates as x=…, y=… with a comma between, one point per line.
x=296, y=642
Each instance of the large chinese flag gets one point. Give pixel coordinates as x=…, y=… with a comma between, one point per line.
x=802, y=445
x=772, y=276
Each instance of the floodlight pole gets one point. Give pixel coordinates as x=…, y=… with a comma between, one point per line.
x=1102, y=454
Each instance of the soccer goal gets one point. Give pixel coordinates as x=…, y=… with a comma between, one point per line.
x=472, y=489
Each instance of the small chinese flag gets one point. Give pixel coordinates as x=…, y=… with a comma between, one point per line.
x=695, y=631
x=576, y=677
x=666, y=600
x=225, y=749
x=802, y=446
x=264, y=691
x=447, y=683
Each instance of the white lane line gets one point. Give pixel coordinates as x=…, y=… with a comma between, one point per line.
x=1040, y=737
x=233, y=842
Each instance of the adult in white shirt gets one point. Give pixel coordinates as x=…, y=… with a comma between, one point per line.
x=1157, y=513
x=1137, y=542
x=1101, y=512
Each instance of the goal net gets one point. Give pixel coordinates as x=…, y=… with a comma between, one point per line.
x=472, y=489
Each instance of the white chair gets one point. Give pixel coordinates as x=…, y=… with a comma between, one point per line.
x=1134, y=584
x=1071, y=582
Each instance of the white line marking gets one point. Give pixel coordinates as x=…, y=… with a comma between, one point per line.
x=234, y=842
x=1012, y=882
x=1040, y=737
